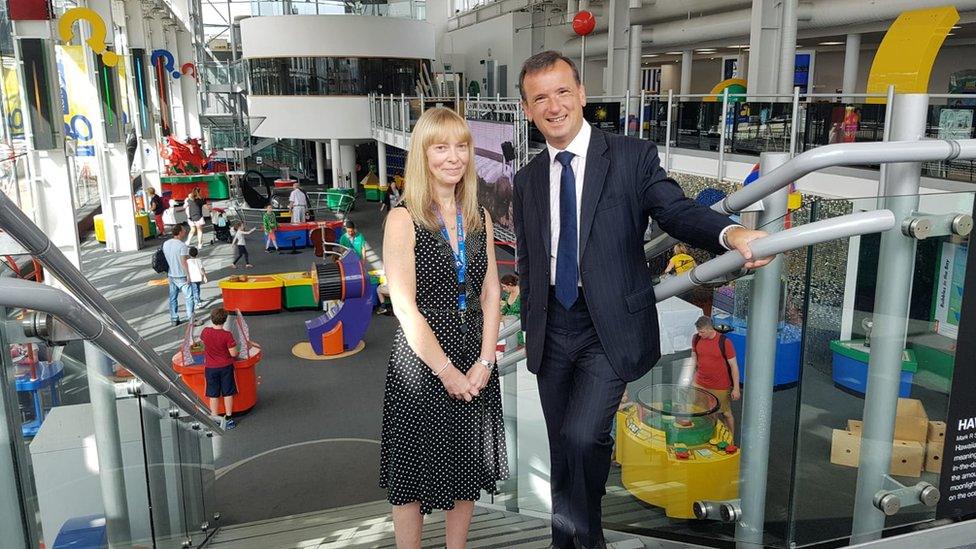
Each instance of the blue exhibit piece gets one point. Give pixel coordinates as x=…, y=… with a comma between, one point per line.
x=82, y=533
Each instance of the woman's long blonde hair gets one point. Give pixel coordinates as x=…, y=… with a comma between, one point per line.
x=439, y=125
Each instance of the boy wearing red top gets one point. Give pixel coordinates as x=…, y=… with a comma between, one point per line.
x=713, y=372
x=219, y=352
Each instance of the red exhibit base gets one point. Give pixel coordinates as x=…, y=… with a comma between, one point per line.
x=258, y=294
x=245, y=377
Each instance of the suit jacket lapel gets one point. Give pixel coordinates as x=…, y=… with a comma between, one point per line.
x=597, y=165
x=540, y=186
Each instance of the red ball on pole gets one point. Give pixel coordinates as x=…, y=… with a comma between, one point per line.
x=583, y=23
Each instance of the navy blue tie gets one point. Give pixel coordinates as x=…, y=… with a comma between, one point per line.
x=567, y=271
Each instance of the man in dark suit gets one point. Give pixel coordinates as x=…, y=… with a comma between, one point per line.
x=588, y=306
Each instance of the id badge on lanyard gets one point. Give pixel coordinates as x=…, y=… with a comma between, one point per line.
x=460, y=264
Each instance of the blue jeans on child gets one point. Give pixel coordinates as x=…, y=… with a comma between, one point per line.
x=195, y=292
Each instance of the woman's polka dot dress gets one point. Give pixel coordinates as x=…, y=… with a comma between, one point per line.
x=436, y=449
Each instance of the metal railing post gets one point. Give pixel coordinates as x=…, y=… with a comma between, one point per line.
x=761, y=360
x=794, y=119
x=667, y=133
x=404, y=118
x=627, y=113
x=721, y=135
x=893, y=289
x=885, y=136
x=640, y=123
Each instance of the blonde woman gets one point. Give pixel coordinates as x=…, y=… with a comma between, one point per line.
x=194, y=215
x=443, y=440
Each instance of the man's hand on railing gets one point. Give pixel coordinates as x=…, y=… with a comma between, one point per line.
x=738, y=239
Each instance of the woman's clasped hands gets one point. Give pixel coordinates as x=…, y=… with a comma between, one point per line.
x=465, y=386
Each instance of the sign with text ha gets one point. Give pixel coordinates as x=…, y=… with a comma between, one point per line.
x=957, y=483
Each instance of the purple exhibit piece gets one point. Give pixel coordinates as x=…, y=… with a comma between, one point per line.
x=345, y=281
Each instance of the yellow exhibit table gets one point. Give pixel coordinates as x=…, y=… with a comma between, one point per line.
x=142, y=221
x=674, y=452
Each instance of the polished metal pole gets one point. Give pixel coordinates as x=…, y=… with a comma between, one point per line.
x=108, y=446
x=757, y=404
x=891, y=302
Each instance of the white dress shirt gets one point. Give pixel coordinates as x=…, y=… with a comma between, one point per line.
x=578, y=146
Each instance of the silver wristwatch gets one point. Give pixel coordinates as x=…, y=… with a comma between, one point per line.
x=487, y=363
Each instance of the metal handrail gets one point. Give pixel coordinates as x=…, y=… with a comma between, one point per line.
x=144, y=361
x=15, y=292
x=817, y=232
x=839, y=154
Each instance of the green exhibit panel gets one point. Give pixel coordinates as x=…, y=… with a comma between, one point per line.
x=935, y=364
x=212, y=185
x=298, y=292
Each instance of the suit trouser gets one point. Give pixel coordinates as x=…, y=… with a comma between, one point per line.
x=579, y=392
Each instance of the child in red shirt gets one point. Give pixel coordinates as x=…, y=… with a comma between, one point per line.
x=713, y=372
x=219, y=352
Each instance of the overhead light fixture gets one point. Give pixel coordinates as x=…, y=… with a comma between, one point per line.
x=705, y=50
x=831, y=43
x=738, y=46
x=957, y=27
x=673, y=53
x=951, y=34
x=651, y=55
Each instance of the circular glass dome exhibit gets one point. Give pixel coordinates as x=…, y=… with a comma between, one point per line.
x=683, y=413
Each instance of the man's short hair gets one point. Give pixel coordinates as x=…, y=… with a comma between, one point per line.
x=543, y=61
x=178, y=229
x=218, y=316
x=704, y=322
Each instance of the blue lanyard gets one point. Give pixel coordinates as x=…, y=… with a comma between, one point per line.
x=460, y=257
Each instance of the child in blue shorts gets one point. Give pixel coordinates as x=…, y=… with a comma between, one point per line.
x=219, y=352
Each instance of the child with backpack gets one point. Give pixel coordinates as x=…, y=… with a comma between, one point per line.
x=196, y=274
x=716, y=370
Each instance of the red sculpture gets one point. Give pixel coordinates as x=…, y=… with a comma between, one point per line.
x=184, y=158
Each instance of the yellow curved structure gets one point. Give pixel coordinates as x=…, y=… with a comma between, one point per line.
x=716, y=92
x=907, y=52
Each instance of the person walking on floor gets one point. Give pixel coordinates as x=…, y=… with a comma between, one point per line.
x=155, y=206
x=298, y=203
x=239, y=241
x=195, y=274
x=443, y=439
x=219, y=352
x=177, y=253
x=194, y=214
x=588, y=307
x=270, y=223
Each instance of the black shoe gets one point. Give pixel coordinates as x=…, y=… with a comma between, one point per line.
x=175, y=322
